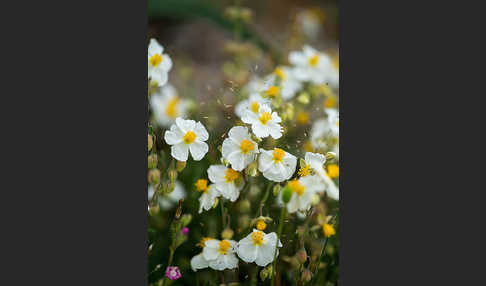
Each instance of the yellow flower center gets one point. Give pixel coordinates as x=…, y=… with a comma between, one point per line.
x=308, y=146
x=272, y=91
x=202, y=185
x=265, y=117
x=314, y=60
x=302, y=118
x=189, y=137
x=280, y=73
x=202, y=243
x=296, y=187
x=231, y=175
x=246, y=146
x=330, y=102
x=155, y=60
x=257, y=237
x=328, y=230
x=261, y=225
x=333, y=171
x=255, y=106
x=278, y=155
x=224, y=245
x=304, y=171
x=171, y=107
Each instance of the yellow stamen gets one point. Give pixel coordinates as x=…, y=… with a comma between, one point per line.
x=330, y=102
x=155, y=60
x=171, y=107
x=272, y=91
x=202, y=243
x=255, y=106
x=246, y=146
x=202, y=185
x=189, y=137
x=265, y=117
x=224, y=245
x=231, y=175
x=297, y=187
x=328, y=230
x=308, y=146
x=278, y=155
x=280, y=73
x=314, y=60
x=333, y=171
x=257, y=237
x=302, y=118
x=261, y=225
x=304, y=171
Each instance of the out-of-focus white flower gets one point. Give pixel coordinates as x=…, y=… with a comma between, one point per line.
x=276, y=165
x=159, y=64
x=209, y=194
x=220, y=254
x=316, y=162
x=283, y=78
x=325, y=128
x=167, y=105
x=239, y=149
x=185, y=136
x=303, y=192
x=252, y=104
x=311, y=65
x=168, y=201
x=258, y=247
x=265, y=123
x=255, y=85
x=198, y=261
x=310, y=22
x=226, y=180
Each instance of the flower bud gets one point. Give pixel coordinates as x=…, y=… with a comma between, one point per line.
x=328, y=230
x=270, y=270
x=264, y=274
x=306, y=275
x=172, y=175
x=168, y=187
x=227, y=233
x=276, y=189
x=287, y=194
x=330, y=156
x=154, y=210
x=186, y=219
x=303, y=98
x=152, y=161
x=302, y=256
x=252, y=169
x=154, y=176
x=243, y=221
x=150, y=142
x=244, y=206
x=180, y=166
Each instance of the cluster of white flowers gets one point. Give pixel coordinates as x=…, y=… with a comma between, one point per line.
x=159, y=64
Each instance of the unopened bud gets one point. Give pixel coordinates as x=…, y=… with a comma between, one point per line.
x=227, y=233
x=154, y=176
x=168, y=187
x=287, y=194
x=276, y=189
x=303, y=98
x=243, y=221
x=244, y=206
x=252, y=169
x=330, y=156
x=264, y=274
x=150, y=142
x=306, y=275
x=172, y=175
x=154, y=210
x=186, y=219
x=302, y=256
x=180, y=166
x=270, y=270
x=152, y=161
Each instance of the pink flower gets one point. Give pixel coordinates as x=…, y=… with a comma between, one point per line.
x=173, y=273
x=185, y=230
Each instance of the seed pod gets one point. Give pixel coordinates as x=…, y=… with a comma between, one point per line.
x=152, y=161
x=150, y=142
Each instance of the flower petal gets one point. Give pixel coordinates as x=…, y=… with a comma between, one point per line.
x=198, y=150
x=180, y=152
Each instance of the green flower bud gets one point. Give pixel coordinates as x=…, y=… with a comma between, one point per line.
x=172, y=175
x=330, y=156
x=243, y=221
x=150, y=142
x=152, y=161
x=303, y=98
x=180, y=166
x=244, y=206
x=270, y=270
x=252, y=169
x=264, y=274
x=227, y=233
x=154, y=210
x=287, y=194
x=154, y=176
x=186, y=219
x=276, y=189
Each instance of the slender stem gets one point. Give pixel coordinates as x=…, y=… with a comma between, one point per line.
x=265, y=197
x=169, y=263
x=318, y=262
x=222, y=214
x=254, y=275
x=280, y=228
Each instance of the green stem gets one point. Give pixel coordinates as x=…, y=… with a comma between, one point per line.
x=265, y=197
x=254, y=275
x=222, y=214
x=318, y=262
x=280, y=228
x=171, y=256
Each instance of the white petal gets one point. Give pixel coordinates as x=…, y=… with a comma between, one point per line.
x=198, y=262
x=173, y=137
x=180, y=152
x=237, y=160
x=238, y=133
x=198, y=150
x=201, y=132
x=246, y=250
x=216, y=173
x=228, y=147
x=210, y=250
x=275, y=130
x=260, y=130
x=230, y=261
x=154, y=47
x=185, y=125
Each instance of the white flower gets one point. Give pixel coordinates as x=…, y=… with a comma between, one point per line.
x=252, y=104
x=159, y=64
x=209, y=195
x=258, y=247
x=283, y=80
x=303, y=193
x=185, y=136
x=220, y=254
x=265, y=123
x=167, y=105
x=168, y=201
x=239, y=149
x=198, y=261
x=276, y=165
x=311, y=65
x=316, y=162
x=326, y=128
x=310, y=23
x=255, y=85
x=226, y=180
